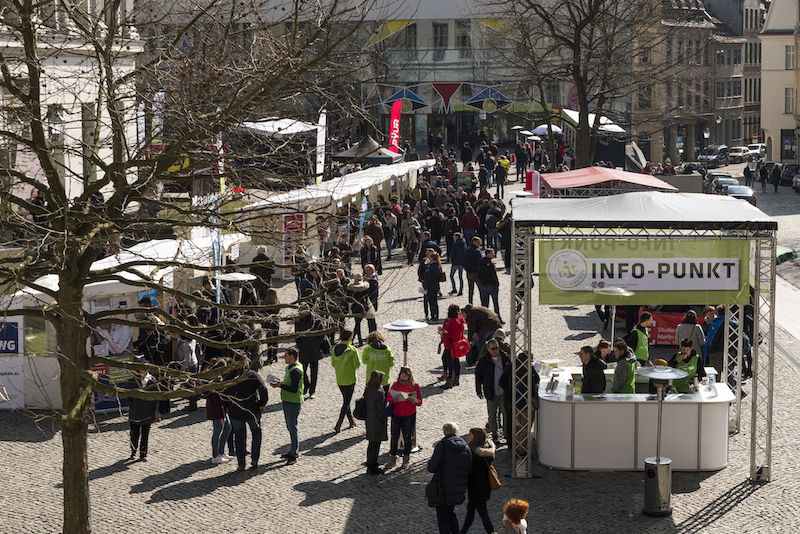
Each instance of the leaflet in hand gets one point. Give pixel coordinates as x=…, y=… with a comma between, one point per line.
x=272, y=378
x=399, y=396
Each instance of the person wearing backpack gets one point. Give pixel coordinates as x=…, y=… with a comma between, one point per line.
x=344, y=360
x=375, y=420
x=478, y=489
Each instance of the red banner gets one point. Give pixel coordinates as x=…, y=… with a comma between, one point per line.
x=394, y=126
x=446, y=91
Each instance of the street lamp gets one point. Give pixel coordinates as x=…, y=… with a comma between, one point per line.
x=405, y=326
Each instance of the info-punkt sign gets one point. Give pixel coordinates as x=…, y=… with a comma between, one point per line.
x=657, y=271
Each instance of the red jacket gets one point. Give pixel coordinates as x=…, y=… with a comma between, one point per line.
x=404, y=408
x=453, y=331
x=470, y=221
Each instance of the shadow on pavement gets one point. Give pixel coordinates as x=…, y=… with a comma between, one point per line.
x=306, y=444
x=338, y=445
x=189, y=418
x=27, y=427
x=151, y=482
x=707, y=516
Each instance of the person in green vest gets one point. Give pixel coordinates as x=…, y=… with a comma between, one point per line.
x=625, y=374
x=687, y=360
x=291, y=400
x=638, y=338
x=377, y=356
x=344, y=359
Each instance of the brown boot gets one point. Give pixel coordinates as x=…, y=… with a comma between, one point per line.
x=352, y=421
x=338, y=427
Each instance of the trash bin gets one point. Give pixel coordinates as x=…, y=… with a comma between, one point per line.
x=657, y=486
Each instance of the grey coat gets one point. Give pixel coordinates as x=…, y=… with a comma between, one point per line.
x=376, y=414
x=693, y=332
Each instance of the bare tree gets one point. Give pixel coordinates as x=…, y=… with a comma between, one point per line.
x=100, y=101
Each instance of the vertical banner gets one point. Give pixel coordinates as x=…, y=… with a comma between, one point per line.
x=362, y=216
x=12, y=377
x=321, y=133
x=394, y=126
x=293, y=230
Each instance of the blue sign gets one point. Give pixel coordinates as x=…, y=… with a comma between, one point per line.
x=148, y=293
x=9, y=338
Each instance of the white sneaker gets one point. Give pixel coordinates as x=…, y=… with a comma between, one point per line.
x=216, y=460
x=225, y=457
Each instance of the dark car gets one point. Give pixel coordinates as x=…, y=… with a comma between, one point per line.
x=714, y=156
x=788, y=172
x=718, y=186
x=691, y=166
x=710, y=177
x=743, y=192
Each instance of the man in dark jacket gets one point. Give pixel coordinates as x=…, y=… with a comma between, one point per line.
x=141, y=414
x=481, y=325
x=594, y=380
x=451, y=462
x=246, y=401
x=488, y=284
x=488, y=373
x=472, y=258
x=457, y=263
x=776, y=177
x=263, y=273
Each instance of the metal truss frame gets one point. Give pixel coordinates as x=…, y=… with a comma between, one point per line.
x=763, y=342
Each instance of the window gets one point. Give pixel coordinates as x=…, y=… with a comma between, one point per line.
x=644, y=57
x=788, y=145
x=728, y=56
x=788, y=100
x=464, y=37
x=409, y=42
x=669, y=51
x=440, y=38
x=645, y=97
x=720, y=90
x=729, y=88
x=669, y=94
x=789, y=56
x=552, y=92
x=720, y=57
x=737, y=87
x=706, y=94
x=697, y=96
x=737, y=56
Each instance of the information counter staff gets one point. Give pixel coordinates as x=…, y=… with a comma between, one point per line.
x=638, y=338
x=625, y=373
x=687, y=360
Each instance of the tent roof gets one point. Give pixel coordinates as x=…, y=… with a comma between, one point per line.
x=606, y=124
x=277, y=127
x=368, y=149
x=643, y=209
x=589, y=176
x=338, y=188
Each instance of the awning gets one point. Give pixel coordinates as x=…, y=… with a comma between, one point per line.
x=593, y=181
x=689, y=211
x=278, y=127
x=607, y=126
x=368, y=151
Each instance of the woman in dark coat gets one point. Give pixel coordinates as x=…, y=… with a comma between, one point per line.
x=310, y=349
x=375, y=421
x=141, y=414
x=452, y=463
x=430, y=283
x=478, y=489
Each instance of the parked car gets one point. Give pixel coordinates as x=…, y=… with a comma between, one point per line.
x=743, y=192
x=714, y=156
x=738, y=154
x=691, y=166
x=719, y=185
x=760, y=149
x=710, y=177
x=788, y=173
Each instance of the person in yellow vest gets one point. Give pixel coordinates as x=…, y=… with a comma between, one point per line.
x=687, y=360
x=638, y=338
x=625, y=374
x=291, y=400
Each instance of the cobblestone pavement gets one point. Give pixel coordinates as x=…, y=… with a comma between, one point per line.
x=178, y=490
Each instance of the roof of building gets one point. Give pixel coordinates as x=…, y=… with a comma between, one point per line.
x=781, y=17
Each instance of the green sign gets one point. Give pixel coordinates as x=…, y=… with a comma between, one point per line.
x=647, y=271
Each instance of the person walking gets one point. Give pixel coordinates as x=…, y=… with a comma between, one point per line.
x=221, y=423
x=358, y=293
x=344, y=359
x=410, y=230
x=404, y=396
x=488, y=373
x=514, y=513
x=452, y=331
x=272, y=325
x=478, y=489
x=763, y=175
x=291, y=401
x=141, y=414
x=245, y=403
x=377, y=356
x=451, y=463
x=371, y=254
x=776, y=177
x=488, y=284
x=504, y=230
x=375, y=421
x=500, y=174
x=431, y=279
x=472, y=258
x=470, y=223
x=457, y=263
x=310, y=349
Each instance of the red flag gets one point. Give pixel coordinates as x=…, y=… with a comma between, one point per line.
x=446, y=91
x=394, y=126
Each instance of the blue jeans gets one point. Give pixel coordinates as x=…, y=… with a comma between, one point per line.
x=432, y=301
x=239, y=436
x=469, y=234
x=489, y=292
x=219, y=435
x=389, y=240
x=492, y=238
x=406, y=424
x=291, y=413
x=460, y=270
x=193, y=398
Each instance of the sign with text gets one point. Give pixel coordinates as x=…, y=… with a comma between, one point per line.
x=293, y=230
x=656, y=271
x=12, y=376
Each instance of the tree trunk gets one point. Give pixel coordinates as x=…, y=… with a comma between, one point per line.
x=584, y=147
x=74, y=362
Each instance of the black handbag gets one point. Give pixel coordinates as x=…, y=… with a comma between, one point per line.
x=434, y=492
x=360, y=410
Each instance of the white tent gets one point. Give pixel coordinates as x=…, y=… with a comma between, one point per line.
x=279, y=127
x=542, y=129
x=606, y=125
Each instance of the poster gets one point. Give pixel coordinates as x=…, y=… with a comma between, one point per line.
x=106, y=403
x=12, y=377
x=293, y=231
x=147, y=293
x=654, y=271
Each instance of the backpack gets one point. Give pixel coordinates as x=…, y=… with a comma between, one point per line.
x=360, y=410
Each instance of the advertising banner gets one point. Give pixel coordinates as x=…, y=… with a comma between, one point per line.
x=12, y=377
x=656, y=271
x=293, y=230
x=394, y=126
x=106, y=403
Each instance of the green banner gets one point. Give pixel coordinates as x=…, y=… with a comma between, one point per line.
x=644, y=271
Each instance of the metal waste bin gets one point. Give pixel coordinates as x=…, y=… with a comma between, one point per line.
x=657, y=486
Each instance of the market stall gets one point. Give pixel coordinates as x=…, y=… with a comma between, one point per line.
x=597, y=181
x=656, y=248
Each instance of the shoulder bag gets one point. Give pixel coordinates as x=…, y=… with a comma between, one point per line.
x=360, y=410
x=494, y=479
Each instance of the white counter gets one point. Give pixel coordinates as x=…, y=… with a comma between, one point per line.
x=617, y=431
